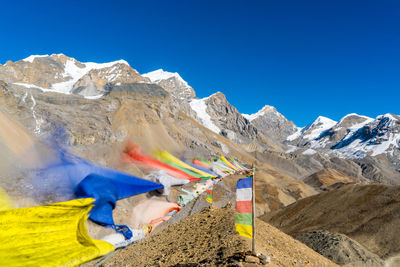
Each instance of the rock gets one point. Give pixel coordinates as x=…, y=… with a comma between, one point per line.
x=264, y=259
x=272, y=124
x=172, y=83
x=252, y=259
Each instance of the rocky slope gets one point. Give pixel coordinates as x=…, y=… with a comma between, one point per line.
x=328, y=179
x=217, y=114
x=172, y=83
x=209, y=238
x=152, y=116
x=340, y=249
x=144, y=113
x=271, y=123
x=354, y=137
x=369, y=214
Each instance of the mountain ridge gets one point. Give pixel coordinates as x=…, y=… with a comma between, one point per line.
x=352, y=137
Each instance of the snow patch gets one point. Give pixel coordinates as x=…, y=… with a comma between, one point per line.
x=359, y=149
x=94, y=96
x=32, y=57
x=295, y=135
x=199, y=106
x=27, y=85
x=37, y=124
x=291, y=149
x=32, y=108
x=309, y=152
x=74, y=72
x=49, y=90
x=357, y=126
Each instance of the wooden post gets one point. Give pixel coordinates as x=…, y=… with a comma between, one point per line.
x=253, y=215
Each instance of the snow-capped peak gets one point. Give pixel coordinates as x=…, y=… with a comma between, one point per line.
x=355, y=136
x=76, y=72
x=160, y=74
x=72, y=71
x=315, y=129
x=262, y=112
x=324, y=120
x=31, y=58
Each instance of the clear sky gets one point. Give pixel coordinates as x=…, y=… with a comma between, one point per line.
x=306, y=58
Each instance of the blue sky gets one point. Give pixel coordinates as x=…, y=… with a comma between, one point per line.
x=306, y=58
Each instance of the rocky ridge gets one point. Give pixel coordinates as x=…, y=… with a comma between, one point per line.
x=271, y=123
x=172, y=83
x=353, y=137
x=62, y=74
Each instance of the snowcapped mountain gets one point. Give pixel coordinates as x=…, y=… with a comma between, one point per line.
x=354, y=136
x=372, y=137
x=172, y=82
x=271, y=123
x=312, y=130
x=62, y=74
x=218, y=115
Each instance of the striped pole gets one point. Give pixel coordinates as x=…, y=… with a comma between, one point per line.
x=209, y=197
x=253, y=203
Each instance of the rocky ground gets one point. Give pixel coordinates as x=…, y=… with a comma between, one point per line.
x=368, y=214
x=209, y=238
x=339, y=249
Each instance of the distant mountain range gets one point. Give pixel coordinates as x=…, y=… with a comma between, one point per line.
x=354, y=137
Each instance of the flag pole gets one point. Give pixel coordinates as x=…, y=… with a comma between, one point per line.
x=253, y=203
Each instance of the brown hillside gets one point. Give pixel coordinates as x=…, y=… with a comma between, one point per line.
x=328, y=178
x=369, y=214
